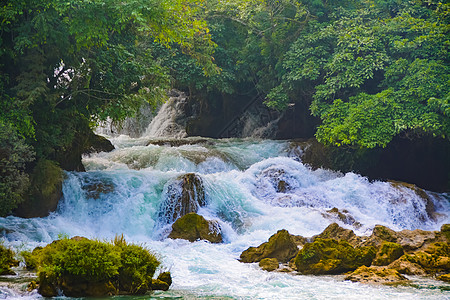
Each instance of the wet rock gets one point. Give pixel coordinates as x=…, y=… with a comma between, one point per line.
x=193, y=227
x=388, y=253
x=404, y=266
x=45, y=191
x=165, y=277
x=269, y=264
x=377, y=275
x=329, y=256
x=278, y=178
x=94, y=187
x=444, y=277
x=434, y=259
x=185, y=195
x=280, y=246
x=336, y=232
x=74, y=287
x=159, y=285
x=344, y=216
x=7, y=261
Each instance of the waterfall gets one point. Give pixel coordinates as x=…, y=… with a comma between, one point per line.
x=170, y=122
x=252, y=188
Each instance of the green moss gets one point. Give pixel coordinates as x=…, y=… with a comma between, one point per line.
x=445, y=229
x=194, y=227
x=434, y=259
x=7, y=261
x=82, y=267
x=388, y=253
x=328, y=256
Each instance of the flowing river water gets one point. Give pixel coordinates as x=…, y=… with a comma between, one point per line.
x=126, y=192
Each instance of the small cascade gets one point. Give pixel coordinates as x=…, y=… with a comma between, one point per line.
x=184, y=195
x=170, y=122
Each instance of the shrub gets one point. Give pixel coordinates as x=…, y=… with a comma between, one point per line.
x=7, y=261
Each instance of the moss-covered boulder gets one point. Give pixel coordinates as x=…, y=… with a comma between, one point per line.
x=184, y=195
x=328, y=256
x=163, y=282
x=388, y=253
x=404, y=266
x=45, y=191
x=281, y=246
x=89, y=268
x=377, y=275
x=434, y=259
x=193, y=227
x=7, y=261
x=269, y=264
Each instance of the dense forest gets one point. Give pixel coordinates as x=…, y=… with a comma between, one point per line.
x=369, y=71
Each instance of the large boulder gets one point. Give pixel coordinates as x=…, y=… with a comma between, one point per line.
x=336, y=232
x=281, y=246
x=404, y=266
x=45, y=191
x=378, y=275
x=193, y=227
x=328, y=256
x=185, y=195
x=269, y=264
x=434, y=259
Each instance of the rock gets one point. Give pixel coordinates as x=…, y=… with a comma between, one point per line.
x=445, y=231
x=95, y=187
x=280, y=246
x=379, y=275
x=99, y=143
x=336, y=232
x=444, y=277
x=278, y=178
x=45, y=191
x=404, y=266
x=185, y=195
x=388, y=253
x=344, y=216
x=74, y=287
x=194, y=227
x=328, y=256
x=160, y=285
x=165, y=277
x=269, y=264
x=434, y=259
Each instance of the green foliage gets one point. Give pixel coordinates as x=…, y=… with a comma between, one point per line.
x=128, y=267
x=7, y=260
x=14, y=154
x=374, y=71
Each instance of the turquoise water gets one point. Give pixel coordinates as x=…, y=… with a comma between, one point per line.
x=240, y=181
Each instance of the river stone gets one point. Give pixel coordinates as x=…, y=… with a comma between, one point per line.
x=159, y=285
x=269, y=264
x=343, y=215
x=185, y=195
x=434, y=259
x=388, y=253
x=378, y=275
x=444, y=277
x=280, y=246
x=193, y=227
x=328, y=256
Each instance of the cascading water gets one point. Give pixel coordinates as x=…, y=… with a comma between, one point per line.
x=251, y=187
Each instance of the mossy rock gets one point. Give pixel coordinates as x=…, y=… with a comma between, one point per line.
x=7, y=261
x=45, y=191
x=81, y=267
x=269, y=264
x=193, y=227
x=377, y=275
x=388, y=253
x=435, y=258
x=445, y=230
x=281, y=246
x=336, y=232
x=163, y=282
x=444, y=277
x=328, y=256
x=404, y=266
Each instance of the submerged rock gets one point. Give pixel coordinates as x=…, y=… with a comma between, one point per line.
x=378, y=275
x=193, y=227
x=328, y=256
x=343, y=215
x=280, y=246
x=185, y=195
